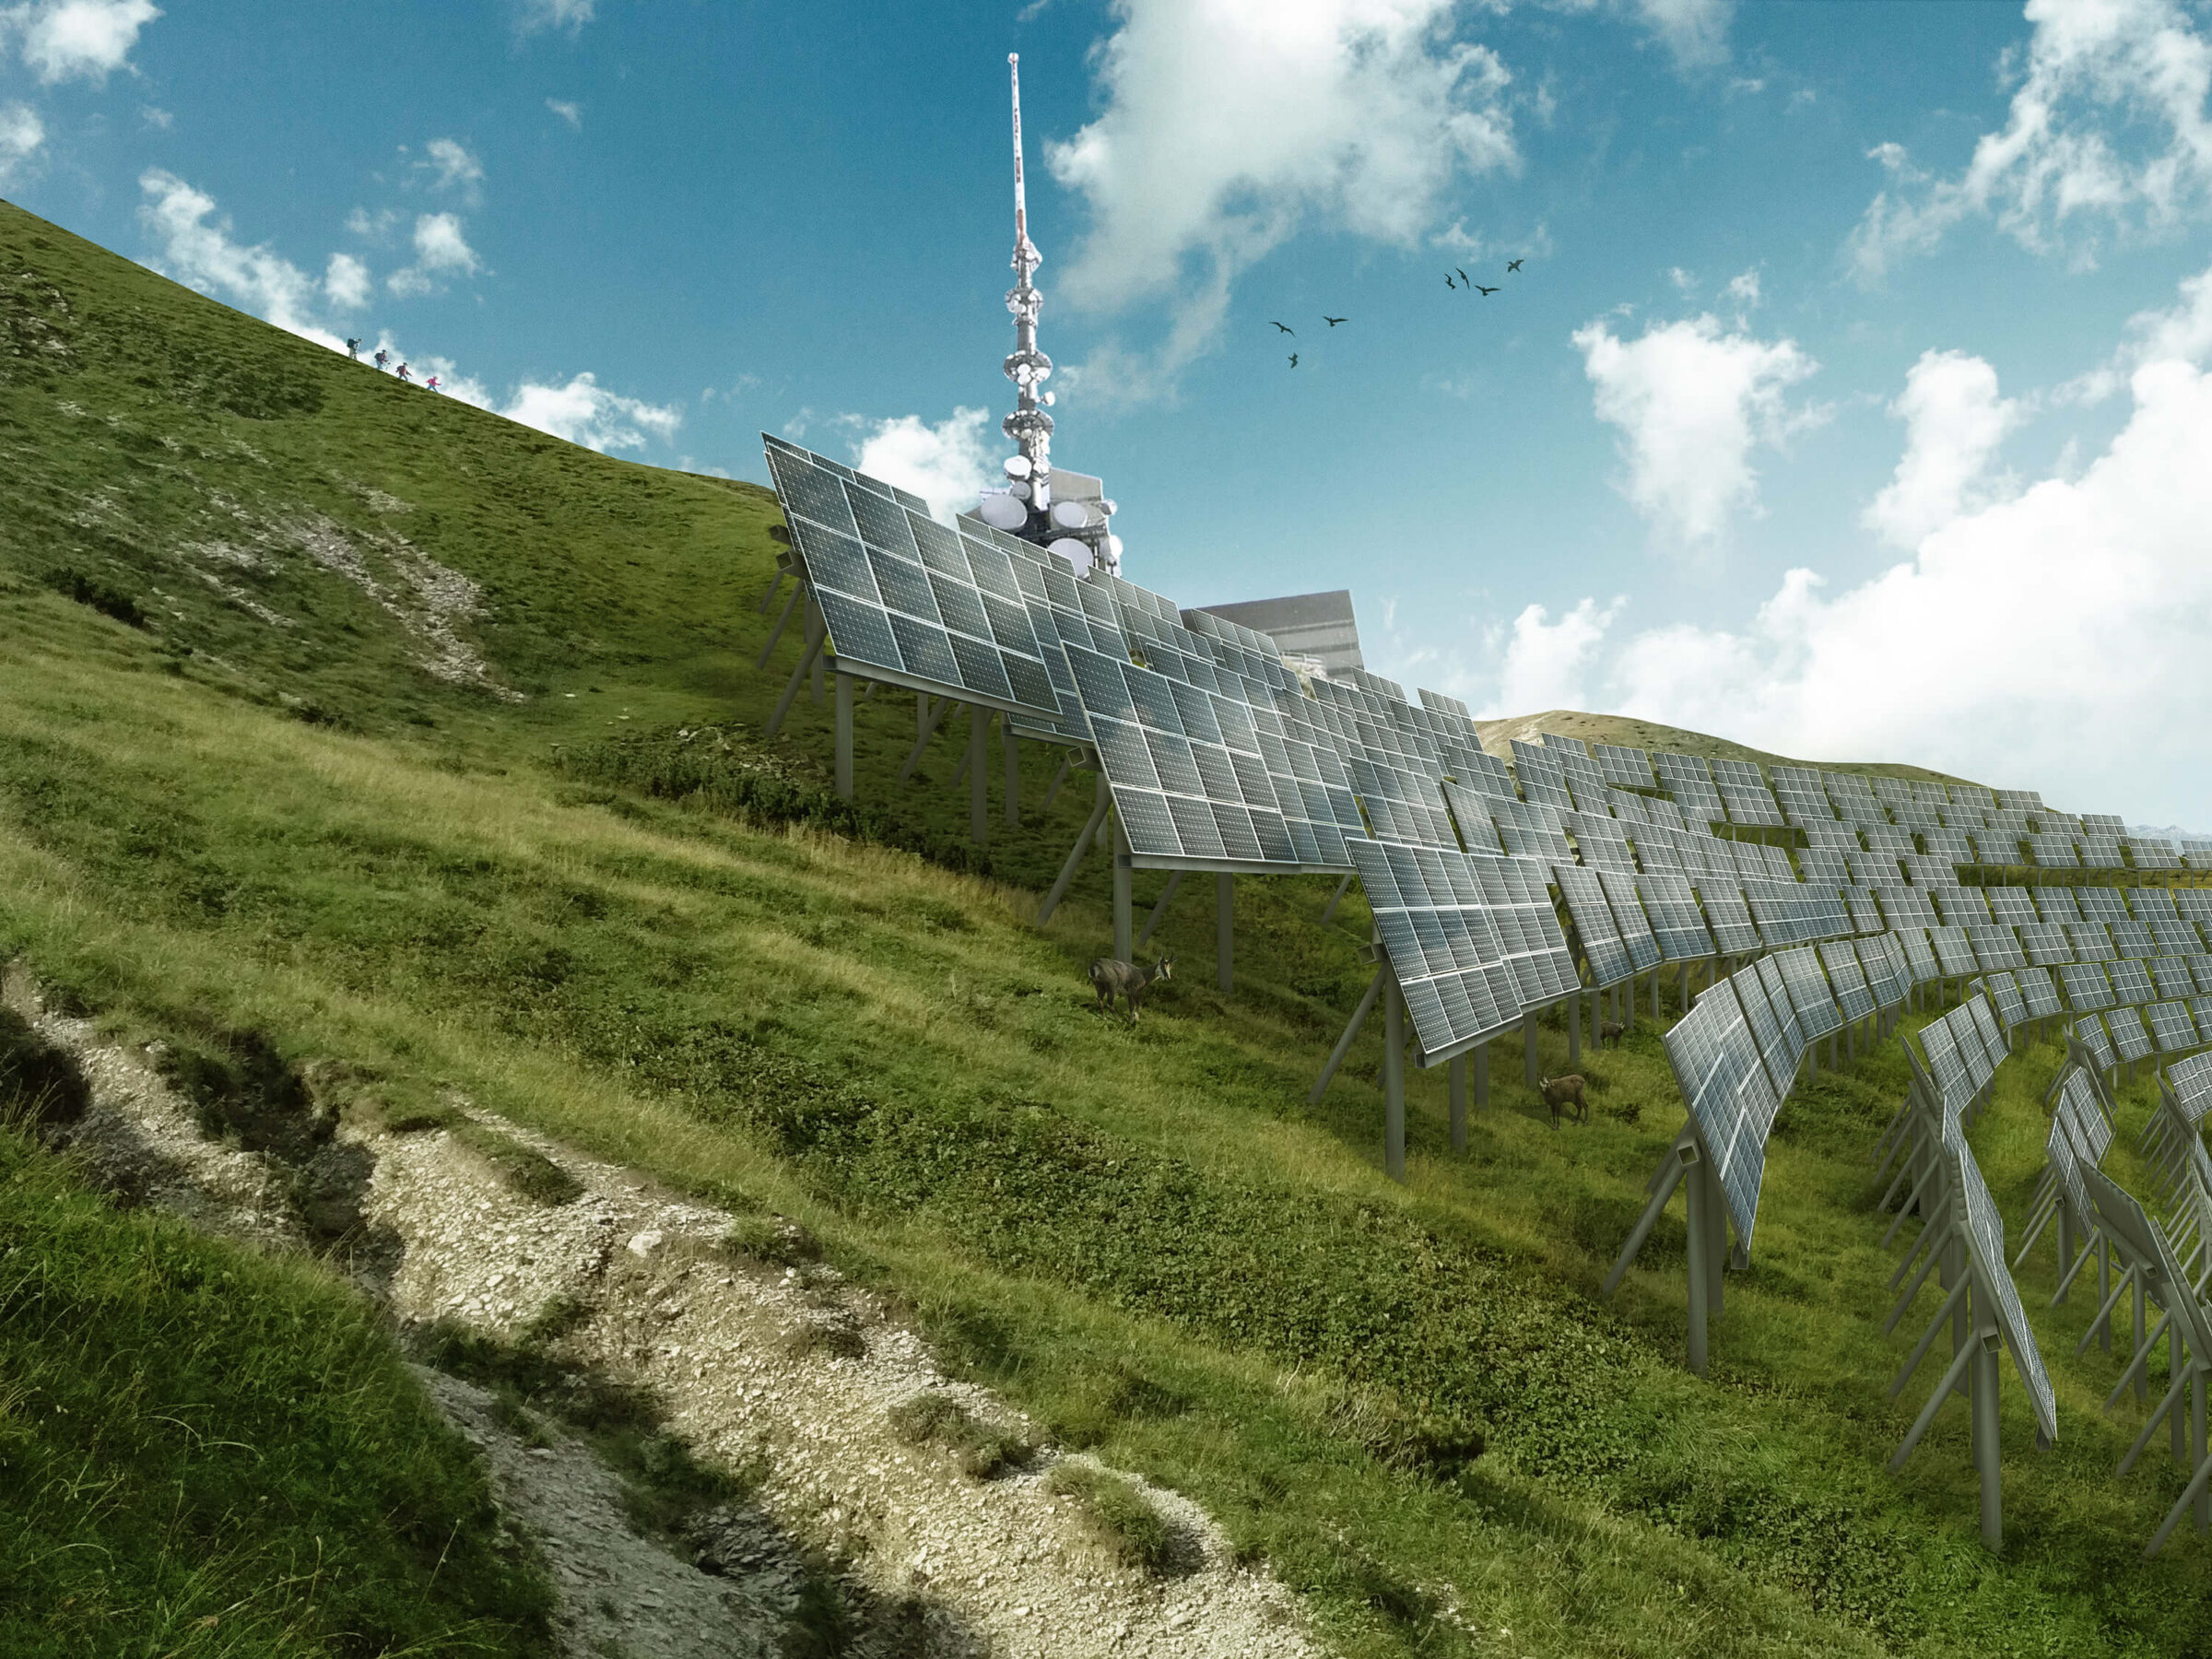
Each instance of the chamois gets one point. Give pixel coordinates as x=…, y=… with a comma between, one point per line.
x=1610, y=1030
x=1110, y=977
x=1562, y=1092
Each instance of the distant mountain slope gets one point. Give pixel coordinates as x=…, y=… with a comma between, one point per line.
x=1629, y=732
x=307, y=527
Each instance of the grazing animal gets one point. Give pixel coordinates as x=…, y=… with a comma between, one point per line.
x=1610, y=1030
x=1486, y=293
x=1512, y=264
x=1564, y=1091
x=1110, y=977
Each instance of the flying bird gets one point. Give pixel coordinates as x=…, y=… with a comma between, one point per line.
x=1485, y=293
x=1512, y=264
x=1331, y=321
x=1294, y=360
x=1286, y=327
x=1463, y=277
x=1449, y=284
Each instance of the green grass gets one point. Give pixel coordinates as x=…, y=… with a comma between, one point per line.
x=1406, y=1400
x=203, y=1452
x=1119, y=1517
x=939, y=1420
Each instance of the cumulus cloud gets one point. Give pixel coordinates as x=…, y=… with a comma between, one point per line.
x=197, y=248
x=1227, y=126
x=1695, y=31
x=21, y=134
x=2042, y=640
x=442, y=249
x=1692, y=400
x=587, y=413
x=947, y=465
x=2108, y=130
x=77, y=40
x=452, y=166
x=1954, y=422
x=571, y=112
x=1545, y=662
x=346, y=283
x=533, y=16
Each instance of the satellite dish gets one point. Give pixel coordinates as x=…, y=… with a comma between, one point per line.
x=1069, y=516
x=1077, y=553
x=1021, y=492
x=1003, y=512
x=1017, y=466
x=1051, y=398
x=1113, y=548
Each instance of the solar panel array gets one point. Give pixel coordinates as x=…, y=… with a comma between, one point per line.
x=1446, y=936
x=1985, y=1238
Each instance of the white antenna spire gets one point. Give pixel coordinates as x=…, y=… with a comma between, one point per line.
x=1030, y=427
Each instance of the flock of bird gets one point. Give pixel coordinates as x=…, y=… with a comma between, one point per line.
x=1466, y=284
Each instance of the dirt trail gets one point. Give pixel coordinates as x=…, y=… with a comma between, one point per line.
x=786, y=1371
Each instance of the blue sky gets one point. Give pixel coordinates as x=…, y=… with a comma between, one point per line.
x=1851, y=400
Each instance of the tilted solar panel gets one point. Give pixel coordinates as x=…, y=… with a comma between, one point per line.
x=1885, y=972
x=1628, y=916
x=1806, y=985
x=2131, y=1041
x=1847, y=978
x=2086, y=986
x=2038, y=992
x=1996, y=948
x=1594, y=924
x=1671, y=907
x=2091, y=941
x=2131, y=981
x=2056, y=903
x=1985, y=1238
x=2191, y=1080
x=2172, y=1027
x=1441, y=937
x=1953, y=953
x=1920, y=959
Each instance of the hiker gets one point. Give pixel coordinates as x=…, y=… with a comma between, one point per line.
x=431, y=383
x=353, y=349
x=403, y=371
x=382, y=357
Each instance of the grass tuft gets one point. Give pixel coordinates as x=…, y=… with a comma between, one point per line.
x=1121, y=1520
x=982, y=1452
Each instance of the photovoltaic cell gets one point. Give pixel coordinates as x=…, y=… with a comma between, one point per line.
x=1986, y=1238
x=1715, y=1061
x=1806, y=986
x=1727, y=916
x=2172, y=1028
x=1439, y=931
x=1594, y=924
x=1996, y=948
x=1884, y=962
x=1634, y=926
x=2037, y=992
x=1847, y=978
x=2131, y=1041
x=1954, y=955
x=1671, y=907
x=2131, y=983
x=2191, y=1081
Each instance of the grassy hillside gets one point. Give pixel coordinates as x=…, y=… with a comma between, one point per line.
x=1630, y=733
x=678, y=951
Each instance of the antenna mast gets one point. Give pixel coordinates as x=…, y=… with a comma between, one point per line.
x=1030, y=427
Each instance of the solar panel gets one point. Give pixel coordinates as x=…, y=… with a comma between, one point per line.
x=1806, y=986
x=2133, y=939
x=1529, y=829
x=1904, y=906
x=1535, y=947
x=2101, y=904
x=2053, y=851
x=1671, y=908
x=2038, y=991
x=1996, y=947
x=2131, y=983
x=1630, y=767
x=2131, y=1041
x=1919, y=960
x=2005, y=995
x=2086, y=986
x=1976, y=1024
x=2057, y=904
x=1847, y=978
x=1442, y=940
x=2191, y=1080
x=2200, y=969
x=2200, y=1009
x=1986, y=1238
x=2010, y=906
x=2171, y=1027
x=1865, y=916
x=2152, y=904
x=1727, y=916
x=1825, y=866
x=1772, y=1029
x=2045, y=943
x=1961, y=906
x=1885, y=972
x=2176, y=937
x=904, y=599
x=1594, y=924
x=1947, y=1066
x=1716, y=1066
x=1953, y=953
x=1629, y=917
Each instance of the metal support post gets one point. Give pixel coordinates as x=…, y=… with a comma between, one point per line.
x=808, y=657
x=1013, y=771
x=1343, y=1043
x=1075, y=857
x=1394, y=1076
x=926, y=716
x=775, y=633
x=814, y=614
x=1124, y=926
x=1225, y=932
x=1161, y=909
x=1701, y=1247
x=1455, y=1084
x=844, y=737
x=1335, y=899
x=1655, y=1014
x=1982, y=1386
x=1059, y=778
x=979, y=781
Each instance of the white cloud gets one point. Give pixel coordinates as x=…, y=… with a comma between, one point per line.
x=584, y=412
x=1695, y=31
x=1692, y=400
x=77, y=40
x=1744, y=290
x=21, y=134
x=1545, y=662
x=1954, y=422
x=571, y=112
x=197, y=249
x=371, y=227
x=441, y=250
x=570, y=15
x=156, y=117
x=1227, y=125
x=452, y=167
x=2108, y=130
x=947, y=465
x=347, y=282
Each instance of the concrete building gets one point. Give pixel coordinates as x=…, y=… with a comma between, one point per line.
x=1320, y=626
